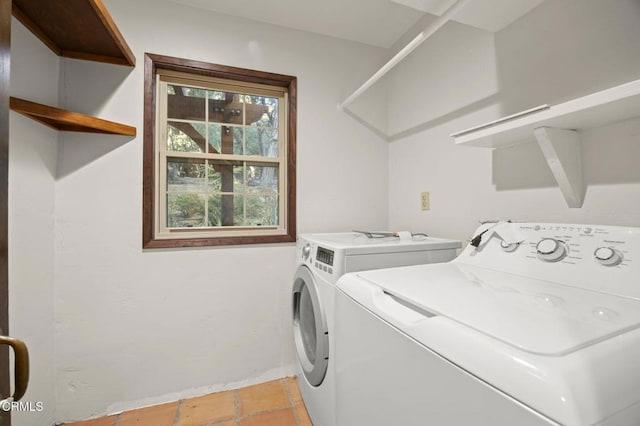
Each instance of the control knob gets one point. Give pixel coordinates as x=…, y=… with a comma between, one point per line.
x=551, y=250
x=306, y=252
x=509, y=247
x=608, y=256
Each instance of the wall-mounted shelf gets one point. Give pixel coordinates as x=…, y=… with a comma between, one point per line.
x=595, y=110
x=68, y=121
x=80, y=29
x=556, y=129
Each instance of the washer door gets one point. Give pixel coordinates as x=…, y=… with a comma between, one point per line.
x=309, y=327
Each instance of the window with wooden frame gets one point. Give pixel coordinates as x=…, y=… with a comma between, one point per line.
x=219, y=155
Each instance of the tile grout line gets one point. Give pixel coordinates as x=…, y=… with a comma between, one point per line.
x=176, y=420
x=268, y=409
x=287, y=389
x=236, y=406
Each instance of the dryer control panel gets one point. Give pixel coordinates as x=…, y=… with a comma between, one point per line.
x=600, y=258
x=322, y=260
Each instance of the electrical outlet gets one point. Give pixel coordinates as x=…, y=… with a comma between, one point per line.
x=424, y=201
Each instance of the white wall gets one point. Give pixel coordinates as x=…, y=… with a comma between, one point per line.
x=561, y=50
x=136, y=327
x=32, y=168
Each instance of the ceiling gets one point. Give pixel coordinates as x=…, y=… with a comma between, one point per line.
x=489, y=15
x=375, y=22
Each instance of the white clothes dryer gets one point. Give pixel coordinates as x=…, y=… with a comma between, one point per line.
x=321, y=260
x=539, y=330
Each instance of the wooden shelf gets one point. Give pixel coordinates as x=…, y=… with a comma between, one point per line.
x=80, y=29
x=68, y=121
x=556, y=129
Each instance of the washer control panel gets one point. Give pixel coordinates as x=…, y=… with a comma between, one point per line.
x=600, y=258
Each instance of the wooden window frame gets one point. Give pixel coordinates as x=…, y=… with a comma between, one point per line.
x=152, y=64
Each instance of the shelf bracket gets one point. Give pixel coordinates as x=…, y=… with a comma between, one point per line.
x=561, y=149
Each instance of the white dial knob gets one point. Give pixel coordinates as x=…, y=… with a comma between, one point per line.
x=509, y=247
x=608, y=256
x=306, y=252
x=551, y=250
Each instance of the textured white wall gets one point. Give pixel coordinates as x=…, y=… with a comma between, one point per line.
x=32, y=168
x=137, y=327
x=561, y=50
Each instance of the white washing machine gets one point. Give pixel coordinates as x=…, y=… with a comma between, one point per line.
x=322, y=259
x=541, y=332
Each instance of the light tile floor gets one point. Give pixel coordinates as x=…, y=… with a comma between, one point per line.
x=276, y=403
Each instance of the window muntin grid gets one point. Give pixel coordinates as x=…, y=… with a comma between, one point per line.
x=222, y=156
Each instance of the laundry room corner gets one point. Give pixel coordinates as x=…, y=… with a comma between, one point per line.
x=556, y=52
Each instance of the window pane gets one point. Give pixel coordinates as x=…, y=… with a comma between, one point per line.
x=215, y=138
x=238, y=210
x=262, y=141
x=185, y=137
x=215, y=181
x=185, y=175
x=216, y=95
x=262, y=179
x=188, y=103
x=225, y=176
x=274, y=109
x=226, y=210
x=237, y=140
x=262, y=210
x=225, y=107
x=265, y=111
x=230, y=139
x=185, y=210
x=215, y=210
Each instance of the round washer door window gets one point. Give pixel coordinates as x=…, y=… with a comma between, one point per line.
x=309, y=327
